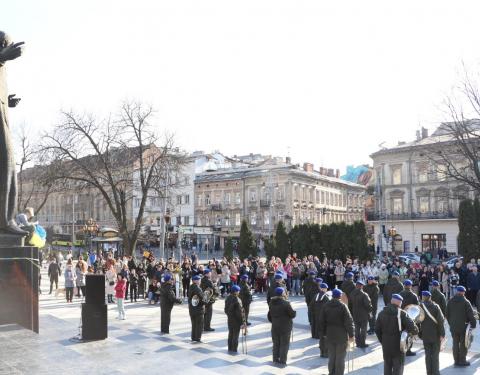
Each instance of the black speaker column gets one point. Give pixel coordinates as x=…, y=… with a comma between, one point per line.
x=94, y=310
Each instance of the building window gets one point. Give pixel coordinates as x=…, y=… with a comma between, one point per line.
x=397, y=206
x=280, y=193
x=237, y=220
x=322, y=199
x=207, y=200
x=137, y=202
x=186, y=180
x=179, y=199
x=423, y=204
x=295, y=192
x=227, y=221
x=317, y=196
x=199, y=221
x=218, y=221
x=253, y=218
x=187, y=199
x=266, y=218
x=237, y=198
x=253, y=195
x=441, y=172
x=227, y=198
x=422, y=172
x=179, y=220
x=396, y=175
x=199, y=200
x=207, y=221
x=186, y=220
x=434, y=242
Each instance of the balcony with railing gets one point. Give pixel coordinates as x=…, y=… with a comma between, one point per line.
x=265, y=202
x=432, y=215
x=216, y=207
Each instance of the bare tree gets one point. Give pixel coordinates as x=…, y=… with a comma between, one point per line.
x=455, y=150
x=120, y=157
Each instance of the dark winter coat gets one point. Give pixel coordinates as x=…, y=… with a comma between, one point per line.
x=308, y=285
x=281, y=315
x=373, y=292
x=409, y=298
x=336, y=322
x=459, y=313
x=439, y=298
x=393, y=286
x=473, y=281
x=194, y=290
x=387, y=330
x=233, y=309
x=348, y=287
x=362, y=306
x=316, y=306
x=245, y=293
x=430, y=332
x=271, y=290
x=167, y=296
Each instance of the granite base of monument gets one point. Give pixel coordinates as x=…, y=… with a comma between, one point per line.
x=19, y=271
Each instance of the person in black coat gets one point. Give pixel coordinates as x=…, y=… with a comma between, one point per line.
x=281, y=315
x=53, y=272
x=348, y=286
x=459, y=315
x=312, y=293
x=207, y=283
x=167, y=300
x=393, y=286
x=362, y=308
x=196, y=309
x=438, y=297
x=317, y=304
x=235, y=317
x=278, y=283
x=245, y=296
x=336, y=323
x=133, y=278
x=373, y=292
x=432, y=332
x=388, y=332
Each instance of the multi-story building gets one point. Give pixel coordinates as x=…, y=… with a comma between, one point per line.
x=416, y=205
x=268, y=192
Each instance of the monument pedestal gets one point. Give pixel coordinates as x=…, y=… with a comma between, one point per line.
x=19, y=271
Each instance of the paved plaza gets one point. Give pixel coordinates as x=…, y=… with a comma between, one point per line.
x=135, y=345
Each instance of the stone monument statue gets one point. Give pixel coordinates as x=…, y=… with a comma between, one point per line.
x=8, y=179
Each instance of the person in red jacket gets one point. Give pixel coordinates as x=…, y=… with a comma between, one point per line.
x=120, y=289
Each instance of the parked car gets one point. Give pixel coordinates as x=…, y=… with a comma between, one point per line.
x=452, y=260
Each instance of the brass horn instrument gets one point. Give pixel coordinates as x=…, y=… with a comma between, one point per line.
x=468, y=337
x=416, y=313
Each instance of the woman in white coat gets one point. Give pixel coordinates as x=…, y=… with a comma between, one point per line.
x=110, y=277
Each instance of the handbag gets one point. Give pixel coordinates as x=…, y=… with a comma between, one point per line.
x=111, y=283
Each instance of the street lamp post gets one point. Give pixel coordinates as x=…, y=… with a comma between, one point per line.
x=392, y=233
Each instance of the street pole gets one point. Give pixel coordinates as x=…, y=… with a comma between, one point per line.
x=73, y=224
x=162, y=240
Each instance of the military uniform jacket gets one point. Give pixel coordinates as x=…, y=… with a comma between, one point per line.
x=409, y=298
x=373, y=292
x=439, y=298
x=387, y=330
x=308, y=285
x=207, y=283
x=195, y=290
x=336, y=322
x=271, y=290
x=361, y=305
x=167, y=296
x=429, y=330
x=245, y=294
x=459, y=313
x=281, y=315
x=318, y=302
x=348, y=287
x=393, y=286
x=234, y=310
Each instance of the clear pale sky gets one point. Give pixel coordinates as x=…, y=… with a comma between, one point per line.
x=329, y=80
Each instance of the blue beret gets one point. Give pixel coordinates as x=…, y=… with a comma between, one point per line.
x=312, y=273
x=461, y=289
x=360, y=282
x=435, y=283
x=398, y=297
x=244, y=277
x=319, y=280
x=426, y=293
x=349, y=275
x=336, y=293
x=167, y=277
x=279, y=291
x=371, y=277
x=395, y=273
x=196, y=278
x=323, y=286
x=408, y=282
x=235, y=288
x=207, y=270
x=278, y=276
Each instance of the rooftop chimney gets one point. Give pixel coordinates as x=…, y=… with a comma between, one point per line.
x=424, y=133
x=322, y=171
x=337, y=173
x=418, y=135
x=330, y=172
x=308, y=167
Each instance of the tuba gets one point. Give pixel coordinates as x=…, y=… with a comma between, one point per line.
x=195, y=300
x=416, y=313
x=468, y=337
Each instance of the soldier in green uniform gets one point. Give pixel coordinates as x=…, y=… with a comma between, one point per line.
x=432, y=332
x=409, y=298
x=245, y=296
x=316, y=305
x=348, y=286
x=336, y=324
x=312, y=293
x=167, y=300
x=207, y=283
x=393, y=286
x=235, y=317
x=459, y=315
x=438, y=297
x=281, y=315
x=362, y=308
x=391, y=321
x=196, y=308
x=277, y=283
x=373, y=292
